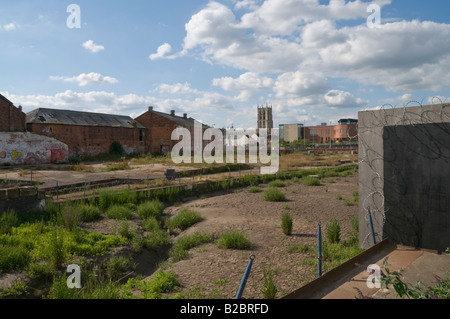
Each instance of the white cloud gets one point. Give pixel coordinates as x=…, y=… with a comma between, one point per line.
x=87, y=79
x=177, y=88
x=301, y=83
x=162, y=51
x=341, y=99
x=93, y=47
x=10, y=26
x=247, y=84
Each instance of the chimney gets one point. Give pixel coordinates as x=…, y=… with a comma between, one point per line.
x=150, y=108
x=185, y=115
x=172, y=112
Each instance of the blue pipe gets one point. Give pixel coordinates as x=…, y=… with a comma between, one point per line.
x=371, y=227
x=319, y=251
x=244, y=279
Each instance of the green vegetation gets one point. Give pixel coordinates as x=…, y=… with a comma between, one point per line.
x=179, y=251
x=152, y=208
x=270, y=290
x=286, y=223
x=233, y=240
x=277, y=183
x=254, y=189
x=183, y=220
x=333, y=230
x=273, y=194
x=311, y=181
x=119, y=212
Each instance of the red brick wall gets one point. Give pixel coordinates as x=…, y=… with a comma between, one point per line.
x=12, y=119
x=93, y=140
x=335, y=132
x=160, y=132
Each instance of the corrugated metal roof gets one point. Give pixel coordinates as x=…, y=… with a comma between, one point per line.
x=182, y=121
x=53, y=116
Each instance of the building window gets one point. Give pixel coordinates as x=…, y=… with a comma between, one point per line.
x=341, y=131
x=313, y=132
x=141, y=135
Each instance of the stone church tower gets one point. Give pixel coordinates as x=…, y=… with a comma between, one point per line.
x=265, y=120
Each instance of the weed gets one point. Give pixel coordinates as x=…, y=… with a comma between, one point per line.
x=119, y=212
x=273, y=194
x=233, y=240
x=183, y=220
x=277, y=183
x=270, y=290
x=302, y=248
x=311, y=181
x=286, y=223
x=339, y=197
x=348, y=202
x=156, y=239
x=8, y=220
x=254, y=189
x=152, y=208
x=180, y=250
x=150, y=224
x=333, y=230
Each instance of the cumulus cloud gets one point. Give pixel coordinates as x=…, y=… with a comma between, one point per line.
x=162, y=51
x=301, y=83
x=86, y=79
x=177, y=88
x=90, y=45
x=9, y=27
x=247, y=84
x=341, y=99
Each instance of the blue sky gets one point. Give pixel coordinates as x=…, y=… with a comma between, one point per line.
x=314, y=61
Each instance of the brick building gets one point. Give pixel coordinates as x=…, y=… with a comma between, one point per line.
x=12, y=119
x=346, y=130
x=86, y=133
x=160, y=127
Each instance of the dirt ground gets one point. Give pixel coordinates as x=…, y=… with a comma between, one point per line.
x=218, y=272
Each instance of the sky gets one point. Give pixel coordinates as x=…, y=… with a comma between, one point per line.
x=313, y=61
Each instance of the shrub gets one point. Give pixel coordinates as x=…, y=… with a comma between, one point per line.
x=348, y=202
x=273, y=194
x=152, y=208
x=107, y=198
x=89, y=213
x=150, y=224
x=119, y=212
x=286, y=223
x=156, y=239
x=183, y=220
x=233, y=240
x=13, y=257
x=116, y=149
x=70, y=217
x=311, y=181
x=277, y=183
x=180, y=250
x=8, y=220
x=333, y=230
x=254, y=189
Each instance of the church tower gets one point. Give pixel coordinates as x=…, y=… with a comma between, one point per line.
x=265, y=120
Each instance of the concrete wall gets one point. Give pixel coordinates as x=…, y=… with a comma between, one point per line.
x=22, y=199
x=28, y=148
x=404, y=174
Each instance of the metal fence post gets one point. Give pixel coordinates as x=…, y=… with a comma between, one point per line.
x=245, y=277
x=319, y=251
x=371, y=227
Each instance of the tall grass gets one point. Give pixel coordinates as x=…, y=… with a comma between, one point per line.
x=233, y=240
x=152, y=208
x=183, y=220
x=180, y=250
x=286, y=223
x=273, y=194
x=119, y=212
x=8, y=220
x=333, y=231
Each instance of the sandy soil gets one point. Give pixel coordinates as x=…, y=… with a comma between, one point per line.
x=218, y=272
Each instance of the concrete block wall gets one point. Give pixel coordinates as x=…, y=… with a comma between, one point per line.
x=22, y=199
x=27, y=148
x=404, y=176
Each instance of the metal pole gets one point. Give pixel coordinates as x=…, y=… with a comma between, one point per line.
x=319, y=251
x=244, y=279
x=31, y=175
x=371, y=227
x=56, y=190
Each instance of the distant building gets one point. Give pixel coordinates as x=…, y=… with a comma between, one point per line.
x=265, y=120
x=291, y=132
x=87, y=133
x=12, y=119
x=160, y=127
x=346, y=130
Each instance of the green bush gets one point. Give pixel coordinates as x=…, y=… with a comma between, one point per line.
x=233, y=240
x=180, y=250
x=8, y=220
x=156, y=239
x=273, y=194
x=13, y=257
x=333, y=230
x=277, y=183
x=311, y=181
x=116, y=149
x=152, y=208
x=254, y=189
x=89, y=213
x=70, y=217
x=150, y=224
x=183, y=220
x=119, y=212
x=107, y=198
x=286, y=223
